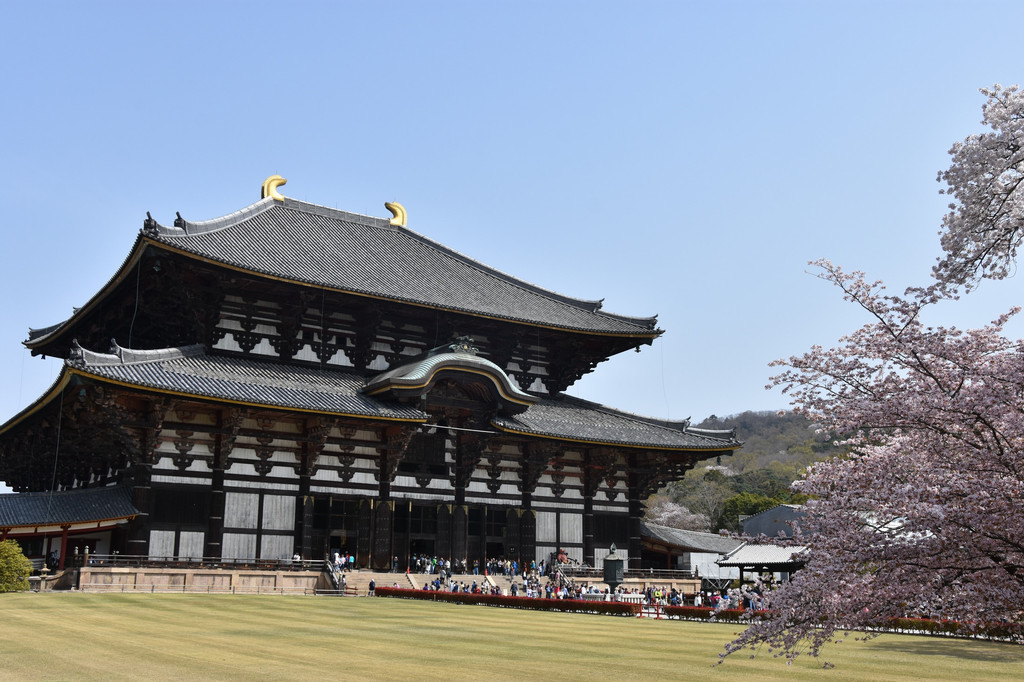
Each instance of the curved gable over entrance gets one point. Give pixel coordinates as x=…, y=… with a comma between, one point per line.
x=477, y=378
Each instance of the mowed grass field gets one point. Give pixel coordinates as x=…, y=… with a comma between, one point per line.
x=72, y=636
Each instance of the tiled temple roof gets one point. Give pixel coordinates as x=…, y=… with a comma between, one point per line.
x=571, y=418
x=313, y=244
x=190, y=372
x=690, y=539
x=766, y=556
x=66, y=507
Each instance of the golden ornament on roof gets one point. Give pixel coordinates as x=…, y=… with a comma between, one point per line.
x=270, y=186
x=398, y=211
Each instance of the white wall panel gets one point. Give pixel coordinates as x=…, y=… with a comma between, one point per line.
x=544, y=553
x=571, y=528
x=161, y=543
x=191, y=544
x=277, y=547
x=238, y=546
x=278, y=513
x=241, y=510
x=227, y=343
x=546, y=528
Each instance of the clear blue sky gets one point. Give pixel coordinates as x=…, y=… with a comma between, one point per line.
x=674, y=158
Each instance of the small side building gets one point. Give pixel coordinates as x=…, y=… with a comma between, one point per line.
x=59, y=523
x=753, y=560
x=688, y=550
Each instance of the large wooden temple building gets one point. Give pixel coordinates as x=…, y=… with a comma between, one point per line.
x=292, y=378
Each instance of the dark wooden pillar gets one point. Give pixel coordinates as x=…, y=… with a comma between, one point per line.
x=304, y=509
x=636, y=512
x=528, y=535
x=215, y=522
x=229, y=422
x=588, y=529
x=365, y=535
x=513, y=546
x=592, y=473
x=315, y=437
x=400, y=538
x=460, y=532
x=383, y=529
x=395, y=442
x=142, y=500
x=443, y=538
x=534, y=462
x=142, y=474
x=468, y=451
x=63, y=547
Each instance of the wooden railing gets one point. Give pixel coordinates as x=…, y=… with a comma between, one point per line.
x=149, y=561
x=577, y=572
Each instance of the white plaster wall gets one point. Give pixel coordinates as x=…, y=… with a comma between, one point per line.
x=264, y=347
x=228, y=343
x=161, y=543
x=262, y=485
x=191, y=544
x=546, y=527
x=278, y=513
x=241, y=510
x=238, y=546
x=277, y=547
x=571, y=527
x=306, y=353
x=189, y=480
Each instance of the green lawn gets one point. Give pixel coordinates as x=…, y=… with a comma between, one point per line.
x=185, y=636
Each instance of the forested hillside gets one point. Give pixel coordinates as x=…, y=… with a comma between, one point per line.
x=715, y=493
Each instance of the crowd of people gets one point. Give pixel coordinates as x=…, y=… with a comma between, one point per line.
x=421, y=563
x=528, y=581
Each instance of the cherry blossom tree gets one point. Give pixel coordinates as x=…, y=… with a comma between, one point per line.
x=985, y=224
x=925, y=516
x=664, y=512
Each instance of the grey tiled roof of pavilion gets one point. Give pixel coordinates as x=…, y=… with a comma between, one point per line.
x=191, y=371
x=69, y=506
x=365, y=255
x=691, y=539
x=575, y=419
x=765, y=556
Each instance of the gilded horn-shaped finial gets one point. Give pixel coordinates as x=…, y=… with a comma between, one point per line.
x=270, y=186
x=398, y=211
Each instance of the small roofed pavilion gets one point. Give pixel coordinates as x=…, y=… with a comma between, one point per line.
x=54, y=523
x=763, y=558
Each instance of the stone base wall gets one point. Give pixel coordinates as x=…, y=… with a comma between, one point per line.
x=125, y=579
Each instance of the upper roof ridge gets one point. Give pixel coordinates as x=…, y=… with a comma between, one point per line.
x=83, y=358
x=182, y=227
x=185, y=228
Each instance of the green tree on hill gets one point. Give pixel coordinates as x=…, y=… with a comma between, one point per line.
x=14, y=567
x=777, y=447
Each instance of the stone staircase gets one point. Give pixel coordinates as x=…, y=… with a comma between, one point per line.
x=358, y=581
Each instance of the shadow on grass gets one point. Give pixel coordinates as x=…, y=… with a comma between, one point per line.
x=964, y=649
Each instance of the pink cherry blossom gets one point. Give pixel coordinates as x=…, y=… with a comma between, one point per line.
x=925, y=515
